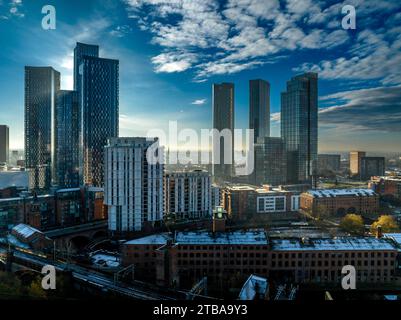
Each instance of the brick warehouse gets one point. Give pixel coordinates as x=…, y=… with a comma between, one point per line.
x=340, y=201
x=189, y=256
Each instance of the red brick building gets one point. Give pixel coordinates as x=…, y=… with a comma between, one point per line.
x=340, y=201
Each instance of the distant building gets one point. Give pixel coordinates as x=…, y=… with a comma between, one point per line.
x=338, y=202
x=299, y=126
x=215, y=196
x=4, y=144
x=133, y=186
x=245, y=202
x=270, y=162
x=328, y=163
x=223, y=119
x=67, y=139
x=386, y=186
x=188, y=194
x=41, y=87
x=98, y=89
x=355, y=161
x=259, y=108
x=372, y=166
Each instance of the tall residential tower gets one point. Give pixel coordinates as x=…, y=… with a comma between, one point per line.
x=299, y=114
x=97, y=84
x=259, y=108
x=41, y=87
x=223, y=121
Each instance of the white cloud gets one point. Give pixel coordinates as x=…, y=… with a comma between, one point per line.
x=199, y=102
x=211, y=37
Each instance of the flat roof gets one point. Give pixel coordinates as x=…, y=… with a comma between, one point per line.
x=334, y=244
x=257, y=237
x=25, y=230
x=160, y=239
x=332, y=193
x=396, y=237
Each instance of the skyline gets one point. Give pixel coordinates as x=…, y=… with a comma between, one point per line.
x=360, y=96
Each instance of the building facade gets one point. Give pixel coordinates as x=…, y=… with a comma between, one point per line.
x=259, y=108
x=372, y=166
x=386, y=186
x=328, y=163
x=222, y=256
x=41, y=87
x=67, y=139
x=245, y=203
x=4, y=144
x=299, y=113
x=355, y=161
x=99, y=103
x=339, y=202
x=188, y=194
x=134, y=187
x=223, y=121
x=270, y=162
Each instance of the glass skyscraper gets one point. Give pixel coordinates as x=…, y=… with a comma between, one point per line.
x=4, y=144
x=81, y=50
x=259, y=108
x=223, y=118
x=41, y=87
x=299, y=121
x=99, y=101
x=67, y=139
x=270, y=162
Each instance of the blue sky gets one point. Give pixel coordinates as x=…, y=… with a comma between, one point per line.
x=171, y=52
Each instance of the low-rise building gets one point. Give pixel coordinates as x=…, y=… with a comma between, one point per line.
x=386, y=186
x=31, y=236
x=223, y=256
x=338, y=202
x=243, y=202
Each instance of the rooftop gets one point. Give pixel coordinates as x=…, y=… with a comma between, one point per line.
x=332, y=193
x=25, y=230
x=334, y=244
x=256, y=237
x=160, y=239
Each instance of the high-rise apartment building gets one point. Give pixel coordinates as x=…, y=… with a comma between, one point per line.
x=372, y=166
x=223, y=121
x=188, y=194
x=299, y=113
x=259, y=108
x=133, y=184
x=80, y=51
x=328, y=162
x=270, y=162
x=41, y=87
x=4, y=144
x=67, y=139
x=99, y=103
x=355, y=161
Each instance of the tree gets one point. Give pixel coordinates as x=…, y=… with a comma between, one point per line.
x=353, y=224
x=387, y=223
